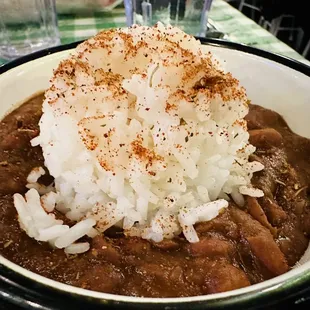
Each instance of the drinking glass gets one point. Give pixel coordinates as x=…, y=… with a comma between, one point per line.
x=27, y=26
x=189, y=15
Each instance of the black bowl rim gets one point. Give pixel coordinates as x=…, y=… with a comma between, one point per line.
x=289, y=62
x=21, y=285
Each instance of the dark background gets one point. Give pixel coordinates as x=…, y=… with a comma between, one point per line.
x=271, y=9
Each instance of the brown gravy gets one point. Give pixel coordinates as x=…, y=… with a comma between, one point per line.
x=238, y=248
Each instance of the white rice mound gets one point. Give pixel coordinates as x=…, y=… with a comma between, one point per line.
x=143, y=130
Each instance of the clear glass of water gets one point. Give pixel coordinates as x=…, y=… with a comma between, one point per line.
x=189, y=15
x=27, y=26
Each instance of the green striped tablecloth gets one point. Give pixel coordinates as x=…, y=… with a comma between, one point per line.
x=224, y=17
x=242, y=29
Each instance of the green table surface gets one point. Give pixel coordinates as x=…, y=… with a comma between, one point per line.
x=223, y=16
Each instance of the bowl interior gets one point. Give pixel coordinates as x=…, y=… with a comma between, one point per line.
x=269, y=84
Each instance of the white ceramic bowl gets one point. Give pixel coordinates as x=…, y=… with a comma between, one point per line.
x=271, y=81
